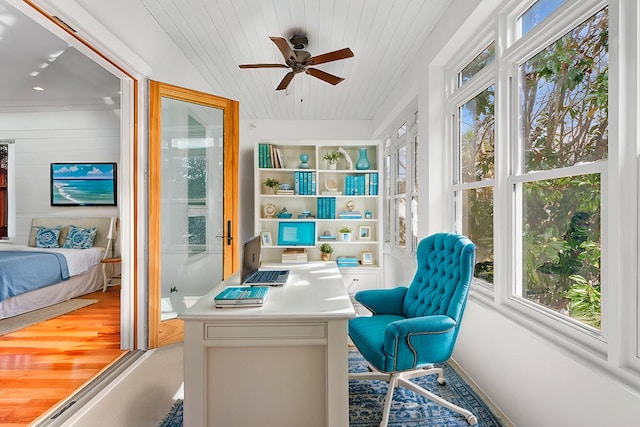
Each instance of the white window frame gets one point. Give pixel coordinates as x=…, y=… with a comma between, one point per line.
x=473, y=87
x=616, y=347
x=410, y=117
x=567, y=17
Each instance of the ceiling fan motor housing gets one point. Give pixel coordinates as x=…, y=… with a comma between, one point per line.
x=299, y=41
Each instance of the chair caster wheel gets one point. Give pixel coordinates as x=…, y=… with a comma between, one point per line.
x=442, y=381
x=472, y=420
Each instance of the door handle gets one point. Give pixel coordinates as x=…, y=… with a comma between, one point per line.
x=228, y=235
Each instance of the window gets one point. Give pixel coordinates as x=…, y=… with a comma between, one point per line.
x=564, y=139
x=387, y=189
x=553, y=173
x=7, y=189
x=196, y=187
x=402, y=130
x=537, y=13
x=474, y=160
x=401, y=197
x=414, y=192
x=476, y=151
x=483, y=59
x=561, y=202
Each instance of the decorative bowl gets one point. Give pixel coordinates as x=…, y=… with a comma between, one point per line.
x=285, y=215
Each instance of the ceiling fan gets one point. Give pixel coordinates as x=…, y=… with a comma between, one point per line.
x=301, y=61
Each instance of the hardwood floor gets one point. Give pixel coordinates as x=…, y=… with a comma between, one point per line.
x=45, y=363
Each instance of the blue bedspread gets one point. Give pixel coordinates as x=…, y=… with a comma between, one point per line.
x=24, y=271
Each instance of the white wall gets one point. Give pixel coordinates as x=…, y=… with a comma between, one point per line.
x=42, y=138
x=535, y=383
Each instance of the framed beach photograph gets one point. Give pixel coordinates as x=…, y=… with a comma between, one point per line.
x=266, y=238
x=364, y=232
x=84, y=184
x=367, y=258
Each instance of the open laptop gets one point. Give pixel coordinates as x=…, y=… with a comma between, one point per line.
x=250, y=274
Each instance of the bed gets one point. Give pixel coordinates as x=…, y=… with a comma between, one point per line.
x=79, y=270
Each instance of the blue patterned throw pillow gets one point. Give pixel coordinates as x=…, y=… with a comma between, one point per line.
x=80, y=238
x=47, y=237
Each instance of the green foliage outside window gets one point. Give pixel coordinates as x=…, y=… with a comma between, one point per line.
x=565, y=123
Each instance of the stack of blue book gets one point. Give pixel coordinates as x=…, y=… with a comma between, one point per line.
x=347, y=261
x=350, y=215
x=326, y=207
x=304, y=183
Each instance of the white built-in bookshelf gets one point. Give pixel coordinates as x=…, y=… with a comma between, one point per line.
x=313, y=191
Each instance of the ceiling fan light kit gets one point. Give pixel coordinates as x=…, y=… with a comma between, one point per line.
x=301, y=61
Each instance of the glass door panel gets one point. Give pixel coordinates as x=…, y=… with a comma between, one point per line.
x=191, y=198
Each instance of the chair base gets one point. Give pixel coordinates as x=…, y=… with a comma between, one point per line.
x=397, y=379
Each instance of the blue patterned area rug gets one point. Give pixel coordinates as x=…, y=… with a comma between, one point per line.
x=366, y=399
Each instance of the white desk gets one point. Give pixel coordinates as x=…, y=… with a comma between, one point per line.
x=282, y=364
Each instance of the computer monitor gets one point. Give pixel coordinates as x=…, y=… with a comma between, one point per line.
x=296, y=233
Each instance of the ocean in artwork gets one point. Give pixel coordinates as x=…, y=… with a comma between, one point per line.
x=83, y=184
x=83, y=192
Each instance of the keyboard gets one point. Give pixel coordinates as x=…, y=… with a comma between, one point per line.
x=263, y=276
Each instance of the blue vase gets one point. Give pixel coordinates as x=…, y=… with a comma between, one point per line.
x=363, y=161
x=304, y=158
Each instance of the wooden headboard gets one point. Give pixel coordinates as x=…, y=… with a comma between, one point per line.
x=101, y=223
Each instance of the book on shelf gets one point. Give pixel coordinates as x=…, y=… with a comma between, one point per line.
x=284, y=192
x=270, y=156
x=326, y=207
x=242, y=296
x=350, y=215
x=347, y=261
x=341, y=264
x=361, y=184
x=326, y=237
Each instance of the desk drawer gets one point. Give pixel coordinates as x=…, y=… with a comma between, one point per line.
x=265, y=331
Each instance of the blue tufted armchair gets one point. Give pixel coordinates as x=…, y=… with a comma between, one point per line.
x=414, y=327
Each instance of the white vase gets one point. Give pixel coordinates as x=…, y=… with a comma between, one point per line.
x=332, y=166
x=345, y=236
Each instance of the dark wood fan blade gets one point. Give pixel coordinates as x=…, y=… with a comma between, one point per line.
x=282, y=44
x=263, y=66
x=330, y=56
x=329, y=78
x=285, y=82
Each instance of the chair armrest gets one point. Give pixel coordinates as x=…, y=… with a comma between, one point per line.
x=421, y=325
x=383, y=301
x=417, y=341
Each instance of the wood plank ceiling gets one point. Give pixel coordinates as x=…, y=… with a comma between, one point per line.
x=218, y=35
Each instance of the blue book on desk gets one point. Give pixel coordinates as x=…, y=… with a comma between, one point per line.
x=242, y=296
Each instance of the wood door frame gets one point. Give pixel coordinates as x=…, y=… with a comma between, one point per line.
x=163, y=333
x=130, y=335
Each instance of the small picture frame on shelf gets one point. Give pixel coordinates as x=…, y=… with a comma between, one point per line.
x=366, y=258
x=364, y=232
x=266, y=238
